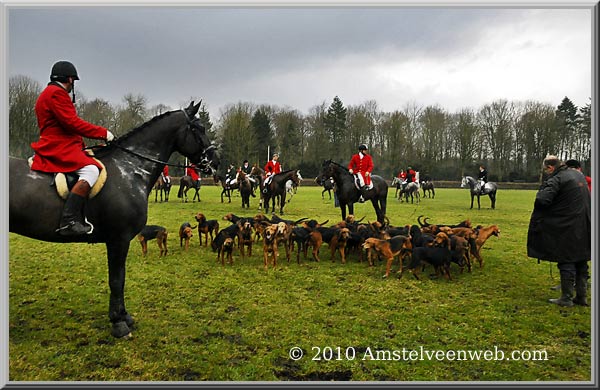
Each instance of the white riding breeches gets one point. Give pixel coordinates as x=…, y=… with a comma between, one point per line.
x=89, y=173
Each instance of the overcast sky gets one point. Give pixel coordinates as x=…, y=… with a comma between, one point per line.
x=301, y=57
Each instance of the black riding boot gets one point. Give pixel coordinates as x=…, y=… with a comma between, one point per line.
x=72, y=222
x=566, y=284
x=581, y=290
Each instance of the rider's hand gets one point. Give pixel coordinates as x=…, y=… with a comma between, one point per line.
x=109, y=136
x=367, y=173
x=350, y=170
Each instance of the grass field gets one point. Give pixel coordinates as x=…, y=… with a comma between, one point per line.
x=199, y=321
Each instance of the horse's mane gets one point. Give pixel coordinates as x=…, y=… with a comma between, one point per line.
x=144, y=125
x=284, y=172
x=338, y=165
x=130, y=133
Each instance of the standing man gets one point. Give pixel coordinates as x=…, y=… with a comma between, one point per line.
x=272, y=168
x=560, y=229
x=361, y=164
x=60, y=146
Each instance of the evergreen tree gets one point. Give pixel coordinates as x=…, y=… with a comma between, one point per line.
x=567, y=123
x=263, y=132
x=335, y=124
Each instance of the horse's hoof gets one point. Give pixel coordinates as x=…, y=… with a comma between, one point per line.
x=120, y=330
x=129, y=320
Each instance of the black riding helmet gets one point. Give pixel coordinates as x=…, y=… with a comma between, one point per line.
x=62, y=70
x=362, y=147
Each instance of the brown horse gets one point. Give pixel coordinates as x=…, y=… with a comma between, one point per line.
x=162, y=187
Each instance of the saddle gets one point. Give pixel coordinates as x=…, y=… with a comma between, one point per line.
x=65, y=181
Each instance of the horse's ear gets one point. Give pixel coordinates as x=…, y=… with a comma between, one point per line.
x=192, y=109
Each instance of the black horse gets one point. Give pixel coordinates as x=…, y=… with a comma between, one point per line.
x=489, y=188
x=226, y=188
x=185, y=184
x=327, y=184
x=245, y=187
x=428, y=189
x=348, y=194
x=120, y=210
x=162, y=187
x=276, y=188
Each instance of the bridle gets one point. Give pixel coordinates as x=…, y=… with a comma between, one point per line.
x=204, y=163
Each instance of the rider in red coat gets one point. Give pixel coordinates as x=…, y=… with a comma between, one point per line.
x=361, y=164
x=272, y=168
x=191, y=171
x=60, y=147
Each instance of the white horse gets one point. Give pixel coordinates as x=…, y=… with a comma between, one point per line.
x=291, y=188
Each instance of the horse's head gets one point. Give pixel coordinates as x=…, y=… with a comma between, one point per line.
x=328, y=168
x=193, y=142
x=464, y=182
x=296, y=177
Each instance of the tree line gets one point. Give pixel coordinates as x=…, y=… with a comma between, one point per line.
x=511, y=138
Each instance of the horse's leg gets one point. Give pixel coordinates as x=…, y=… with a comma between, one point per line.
x=282, y=203
x=479, y=202
x=343, y=208
x=121, y=320
x=493, y=200
x=472, y=199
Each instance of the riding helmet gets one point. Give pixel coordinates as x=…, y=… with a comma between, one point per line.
x=63, y=69
x=362, y=147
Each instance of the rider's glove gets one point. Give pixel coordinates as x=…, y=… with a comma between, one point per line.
x=350, y=170
x=109, y=136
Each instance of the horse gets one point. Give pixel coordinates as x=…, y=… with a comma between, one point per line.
x=276, y=188
x=347, y=192
x=120, y=210
x=396, y=182
x=245, y=187
x=292, y=188
x=226, y=191
x=327, y=184
x=428, y=188
x=185, y=184
x=162, y=187
x=489, y=189
x=411, y=189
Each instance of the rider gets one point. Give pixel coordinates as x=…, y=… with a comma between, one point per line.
x=60, y=146
x=411, y=176
x=272, y=168
x=192, y=171
x=362, y=164
x=482, y=176
x=247, y=169
x=230, y=176
x=402, y=177
x=165, y=175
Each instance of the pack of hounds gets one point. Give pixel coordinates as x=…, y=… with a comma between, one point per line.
x=415, y=246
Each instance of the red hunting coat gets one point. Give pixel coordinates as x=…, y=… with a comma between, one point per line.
x=59, y=148
x=192, y=172
x=362, y=165
x=272, y=168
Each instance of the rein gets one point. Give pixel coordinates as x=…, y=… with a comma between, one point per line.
x=204, y=164
x=154, y=160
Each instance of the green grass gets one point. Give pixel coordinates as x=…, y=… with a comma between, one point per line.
x=199, y=321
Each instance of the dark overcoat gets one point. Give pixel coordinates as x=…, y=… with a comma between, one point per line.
x=560, y=225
